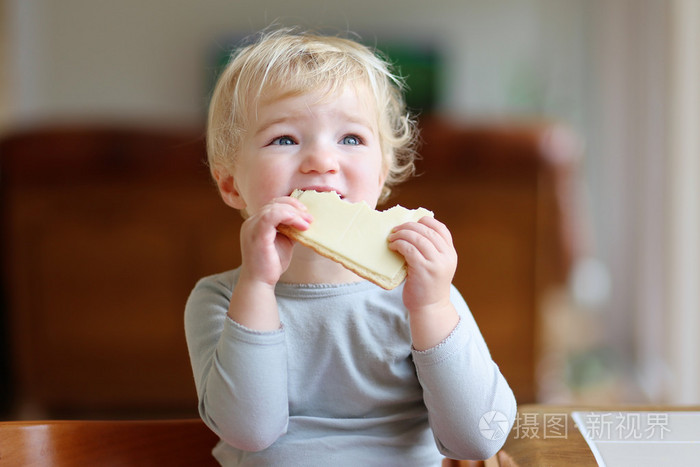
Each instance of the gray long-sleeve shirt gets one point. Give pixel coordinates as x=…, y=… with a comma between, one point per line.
x=339, y=384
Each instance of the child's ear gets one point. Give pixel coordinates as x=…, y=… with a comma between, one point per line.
x=228, y=191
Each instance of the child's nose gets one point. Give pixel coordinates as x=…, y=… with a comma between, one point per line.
x=320, y=160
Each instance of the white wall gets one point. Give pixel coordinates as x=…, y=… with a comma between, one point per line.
x=5, y=69
x=628, y=46
x=645, y=151
x=683, y=206
x=148, y=59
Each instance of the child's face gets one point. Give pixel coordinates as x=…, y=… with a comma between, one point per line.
x=310, y=141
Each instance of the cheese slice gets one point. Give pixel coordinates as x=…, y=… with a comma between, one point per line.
x=355, y=235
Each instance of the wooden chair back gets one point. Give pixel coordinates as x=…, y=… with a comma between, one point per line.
x=186, y=442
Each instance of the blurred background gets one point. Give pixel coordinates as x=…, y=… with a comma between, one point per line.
x=618, y=80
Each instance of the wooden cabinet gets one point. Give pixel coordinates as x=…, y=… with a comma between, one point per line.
x=105, y=233
x=106, y=230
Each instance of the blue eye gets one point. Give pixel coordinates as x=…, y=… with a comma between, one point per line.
x=283, y=141
x=351, y=140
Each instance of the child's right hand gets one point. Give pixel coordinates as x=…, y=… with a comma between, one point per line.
x=266, y=254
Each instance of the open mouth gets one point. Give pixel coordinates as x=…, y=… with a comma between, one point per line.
x=322, y=189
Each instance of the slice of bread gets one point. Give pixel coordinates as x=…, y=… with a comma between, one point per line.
x=355, y=235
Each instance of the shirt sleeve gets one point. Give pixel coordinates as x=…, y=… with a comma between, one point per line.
x=470, y=405
x=246, y=407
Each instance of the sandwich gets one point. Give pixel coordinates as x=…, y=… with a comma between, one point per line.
x=354, y=235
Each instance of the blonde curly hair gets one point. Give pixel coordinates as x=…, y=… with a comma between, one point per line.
x=294, y=63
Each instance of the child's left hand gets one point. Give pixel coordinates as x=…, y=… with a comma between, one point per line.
x=431, y=261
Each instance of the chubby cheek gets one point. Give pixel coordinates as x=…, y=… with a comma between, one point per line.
x=261, y=189
x=368, y=187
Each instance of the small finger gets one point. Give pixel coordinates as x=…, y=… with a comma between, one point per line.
x=292, y=201
x=285, y=214
x=424, y=237
x=437, y=226
x=415, y=241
